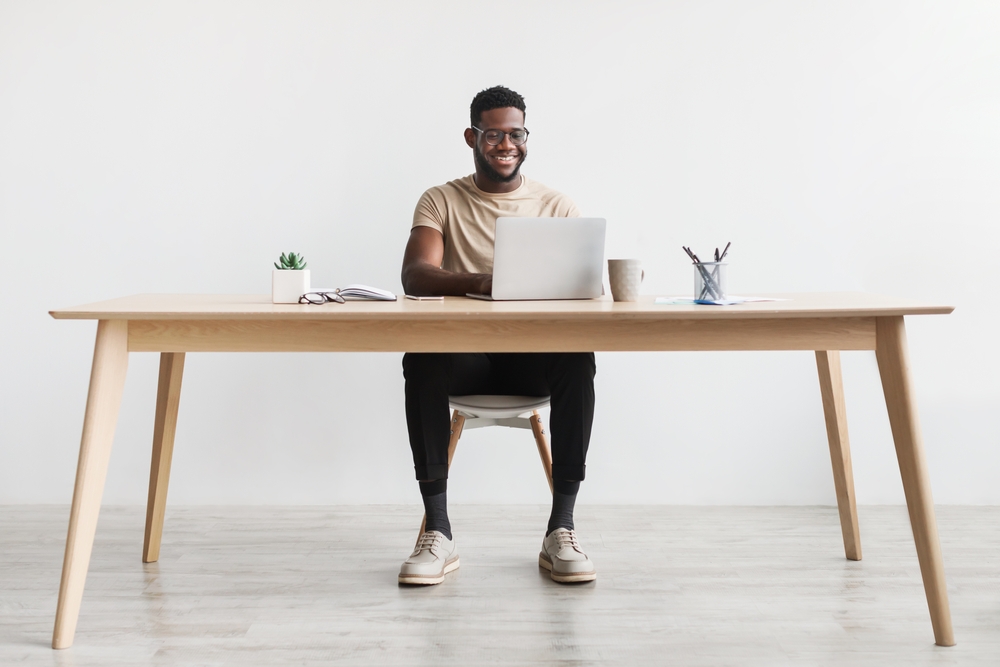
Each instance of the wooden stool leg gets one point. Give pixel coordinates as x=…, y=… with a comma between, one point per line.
x=831, y=386
x=542, y=442
x=893, y=366
x=457, y=423
x=168, y=397
x=104, y=398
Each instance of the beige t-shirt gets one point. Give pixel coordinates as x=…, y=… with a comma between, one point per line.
x=467, y=217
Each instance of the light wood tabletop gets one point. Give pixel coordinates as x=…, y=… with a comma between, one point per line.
x=259, y=306
x=246, y=323
x=174, y=324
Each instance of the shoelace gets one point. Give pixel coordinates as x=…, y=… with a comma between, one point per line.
x=429, y=540
x=568, y=539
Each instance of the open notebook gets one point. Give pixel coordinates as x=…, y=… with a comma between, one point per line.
x=358, y=293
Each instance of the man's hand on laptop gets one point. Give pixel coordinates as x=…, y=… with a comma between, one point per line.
x=485, y=284
x=422, y=274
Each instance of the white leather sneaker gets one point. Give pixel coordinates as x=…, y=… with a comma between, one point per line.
x=564, y=559
x=433, y=557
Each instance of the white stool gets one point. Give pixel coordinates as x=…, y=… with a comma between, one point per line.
x=479, y=411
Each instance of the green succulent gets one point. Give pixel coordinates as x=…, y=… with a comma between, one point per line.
x=292, y=262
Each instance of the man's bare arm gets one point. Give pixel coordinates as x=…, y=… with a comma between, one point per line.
x=422, y=273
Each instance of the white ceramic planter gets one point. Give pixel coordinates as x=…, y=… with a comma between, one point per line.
x=287, y=286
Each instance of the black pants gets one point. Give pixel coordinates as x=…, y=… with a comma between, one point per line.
x=567, y=377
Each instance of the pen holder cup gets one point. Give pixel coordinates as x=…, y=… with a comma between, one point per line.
x=711, y=281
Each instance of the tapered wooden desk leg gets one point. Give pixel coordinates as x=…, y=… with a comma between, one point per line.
x=542, y=443
x=831, y=386
x=893, y=366
x=107, y=380
x=457, y=424
x=168, y=397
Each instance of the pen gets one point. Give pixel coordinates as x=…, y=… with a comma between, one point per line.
x=715, y=269
x=706, y=280
x=719, y=259
x=711, y=288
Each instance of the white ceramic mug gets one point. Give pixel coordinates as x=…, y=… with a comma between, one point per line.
x=625, y=276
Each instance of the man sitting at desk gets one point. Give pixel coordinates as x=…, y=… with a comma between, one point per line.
x=450, y=252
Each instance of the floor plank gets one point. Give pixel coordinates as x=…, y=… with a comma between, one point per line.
x=309, y=586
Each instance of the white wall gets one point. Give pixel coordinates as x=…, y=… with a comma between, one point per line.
x=180, y=146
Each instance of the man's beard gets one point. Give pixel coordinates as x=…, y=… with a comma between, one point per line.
x=494, y=175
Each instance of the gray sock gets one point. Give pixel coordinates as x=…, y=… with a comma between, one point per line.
x=435, y=496
x=563, y=502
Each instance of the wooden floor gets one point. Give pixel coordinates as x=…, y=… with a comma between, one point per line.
x=676, y=586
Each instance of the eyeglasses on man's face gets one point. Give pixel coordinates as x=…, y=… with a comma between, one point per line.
x=495, y=137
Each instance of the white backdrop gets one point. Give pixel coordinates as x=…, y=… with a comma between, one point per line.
x=181, y=146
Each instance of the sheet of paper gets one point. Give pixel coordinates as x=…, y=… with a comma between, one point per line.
x=731, y=300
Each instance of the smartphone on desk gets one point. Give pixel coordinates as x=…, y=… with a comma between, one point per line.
x=425, y=298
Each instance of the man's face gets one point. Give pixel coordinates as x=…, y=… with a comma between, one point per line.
x=500, y=163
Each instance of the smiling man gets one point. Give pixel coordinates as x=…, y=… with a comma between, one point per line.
x=450, y=252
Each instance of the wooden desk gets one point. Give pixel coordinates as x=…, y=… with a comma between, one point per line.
x=176, y=324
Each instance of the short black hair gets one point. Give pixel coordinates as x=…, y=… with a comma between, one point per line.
x=496, y=97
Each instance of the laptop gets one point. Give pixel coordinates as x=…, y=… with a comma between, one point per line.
x=547, y=258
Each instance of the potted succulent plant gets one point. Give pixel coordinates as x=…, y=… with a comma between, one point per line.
x=290, y=278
